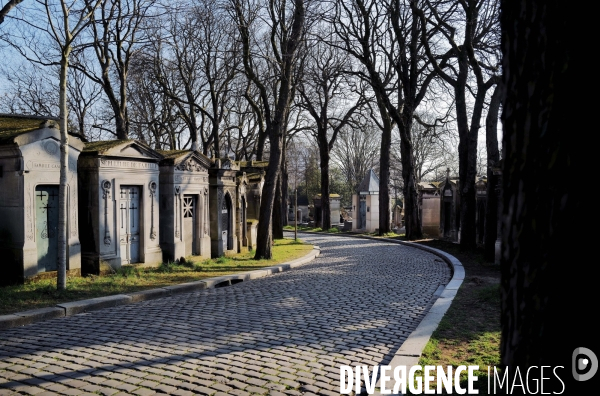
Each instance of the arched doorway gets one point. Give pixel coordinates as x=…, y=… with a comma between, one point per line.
x=227, y=223
x=243, y=220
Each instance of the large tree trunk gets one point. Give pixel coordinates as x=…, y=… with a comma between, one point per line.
x=384, y=168
x=260, y=145
x=467, y=160
x=548, y=228
x=277, y=212
x=284, y=188
x=63, y=238
x=121, y=125
x=264, y=235
x=412, y=216
x=493, y=158
x=325, y=202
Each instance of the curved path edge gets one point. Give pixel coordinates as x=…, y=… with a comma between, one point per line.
x=410, y=351
x=76, y=307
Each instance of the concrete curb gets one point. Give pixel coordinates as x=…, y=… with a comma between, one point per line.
x=410, y=351
x=77, y=307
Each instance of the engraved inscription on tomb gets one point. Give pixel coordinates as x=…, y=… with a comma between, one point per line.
x=49, y=165
x=106, y=163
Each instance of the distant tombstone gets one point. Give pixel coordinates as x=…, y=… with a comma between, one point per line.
x=334, y=209
x=397, y=214
x=119, y=202
x=241, y=205
x=184, y=207
x=29, y=186
x=366, y=204
x=450, y=209
x=429, y=204
x=222, y=196
x=481, y=203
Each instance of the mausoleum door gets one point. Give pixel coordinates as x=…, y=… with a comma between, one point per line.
x=363, y=213
x=189, y=224
x=129, y=224
x=46, y=227
x=226, y=226
x=244, y=219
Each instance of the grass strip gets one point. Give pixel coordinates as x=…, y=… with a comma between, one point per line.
x=469, y=333
x=42, y=293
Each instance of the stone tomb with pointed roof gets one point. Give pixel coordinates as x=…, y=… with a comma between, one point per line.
x=119, y=203
x=29, y=183
x=334, y=209
x=450, y=209
x=255, y=176
x=429, y=205
x=223, y=203
x=365, y=204
x=184, y=205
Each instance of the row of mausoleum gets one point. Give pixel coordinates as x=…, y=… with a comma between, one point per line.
x=127, y=203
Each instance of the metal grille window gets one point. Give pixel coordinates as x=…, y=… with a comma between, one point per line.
x=188, y=207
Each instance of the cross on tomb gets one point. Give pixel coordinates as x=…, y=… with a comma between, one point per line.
x=133, y=193
x=41, y=195
x=122, y=209
x=45, y=208
x=132, y=208
x=52, y=195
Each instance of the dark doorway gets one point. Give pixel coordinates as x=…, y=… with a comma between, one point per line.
x=46, y=227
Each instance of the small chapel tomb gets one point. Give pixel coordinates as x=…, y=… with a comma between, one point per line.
x=184, y=205
x=29, y=188
x=119, y=203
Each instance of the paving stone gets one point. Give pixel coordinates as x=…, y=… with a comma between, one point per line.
x=257, y=390
x=144, y=392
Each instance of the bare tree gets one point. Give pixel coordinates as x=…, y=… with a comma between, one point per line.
x=195, y=63
x=54, y=26
x=356, y=152
x=83, y=98
x=385, y=36
x=116, y=31
x=6, y=8
x=469, y=30
x=32, y=90
x=154, y=117
x=284, y=23
x=243, y=127
x=329, y=96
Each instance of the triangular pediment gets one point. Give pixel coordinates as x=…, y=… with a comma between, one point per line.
x=124, y=149
x=192, y=162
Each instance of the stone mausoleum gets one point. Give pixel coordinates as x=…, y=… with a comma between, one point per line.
x=29, y=179
x=119, y=203
x=222, y=203
x=255, y=175
x=241, y=204
x=334, y=209
x=429, y=205
x=365, y=204
x=450, y=209
x=184, y=205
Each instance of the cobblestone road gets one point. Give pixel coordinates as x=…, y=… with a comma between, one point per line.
x=283, y=334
